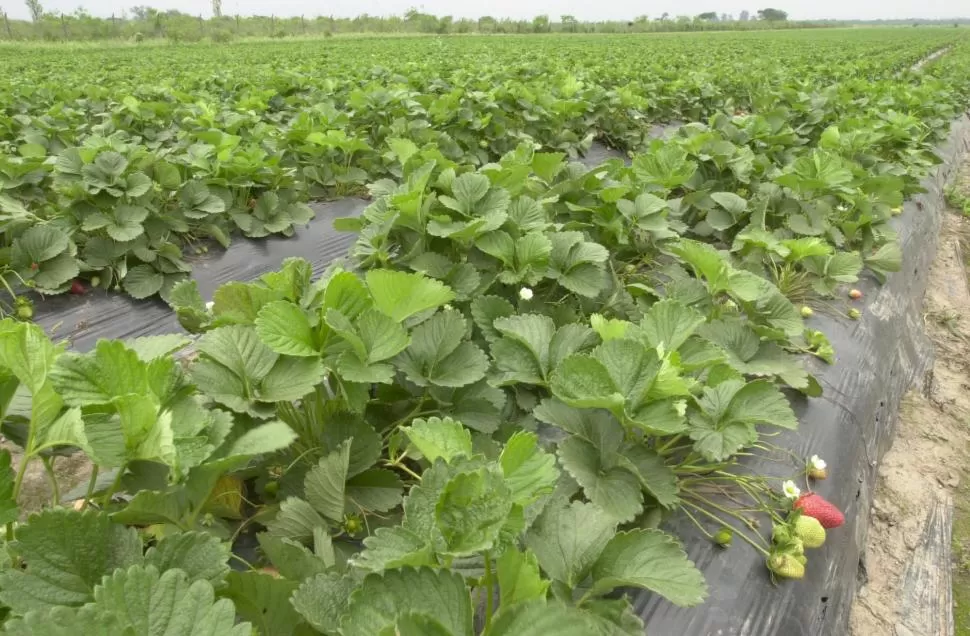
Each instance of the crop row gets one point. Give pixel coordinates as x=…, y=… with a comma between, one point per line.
x=113, y=164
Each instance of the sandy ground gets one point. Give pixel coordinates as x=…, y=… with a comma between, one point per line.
x=929, y=456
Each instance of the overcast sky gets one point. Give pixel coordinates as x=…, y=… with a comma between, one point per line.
x=582, y=9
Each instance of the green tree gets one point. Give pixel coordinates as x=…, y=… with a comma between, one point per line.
x=569, y=23
x=216, y=8
x=540, y=24
x=710, y=16
x=772, y=15
x=36, y=11
x=487, y=24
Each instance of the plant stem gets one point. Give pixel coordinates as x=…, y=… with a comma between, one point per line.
x=404, y=468
x=55, y=490
x=723, y=523
x=92, y=482
x=673, y=440
x=407, y=418
x=242, y=526
x=691, y=469
x=19, y=480
x=489, y=591
x=720, y=508
x=233, y=555
x=698, y=524
x=114, y=487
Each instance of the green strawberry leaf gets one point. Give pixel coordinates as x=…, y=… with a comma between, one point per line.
x=669, y=324
x=291, y=559
x=529, y=472
x=285, y=328
x=519, y=579
x=200, y=555
x=401, y=295
x=657, y=479
x=66, y=555
x=651, y=560
x=143, y=281
x=439, y=355
x=568, y=539
x=9, y=510
x=325, y=483
x=393, y=547
x=154, y=604
x=382, y=599
x=540, y=618
x=376, y=490
x=726, y=415
x=264, y=601
x=485, y=310
x=608, y=484
x=578, y=265
x=888, y=258
x=27, y=353
x=437, y=437
x=323, y=599
x=583, y=381
x=471, y=510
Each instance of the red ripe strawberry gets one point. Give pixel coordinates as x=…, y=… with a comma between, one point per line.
x=813, y=505
x=77, y=287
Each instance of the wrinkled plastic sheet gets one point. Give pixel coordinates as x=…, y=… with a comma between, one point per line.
x=84, y=319
x=879, y=358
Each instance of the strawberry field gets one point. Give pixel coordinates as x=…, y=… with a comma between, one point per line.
x=495, y=414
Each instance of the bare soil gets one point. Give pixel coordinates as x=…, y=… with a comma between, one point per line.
x=929, y=457
x=37, y=491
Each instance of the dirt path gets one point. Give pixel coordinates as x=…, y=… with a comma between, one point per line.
x=929, y=460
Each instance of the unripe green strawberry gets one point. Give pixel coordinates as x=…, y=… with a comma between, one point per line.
x=801, y=558
x=723, y=537
x=352, y=524
x=796, y=547
x=786, y=566
x=807, y=312
x=854, y=313
x=810, y=531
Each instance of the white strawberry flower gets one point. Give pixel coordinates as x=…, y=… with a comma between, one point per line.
x=525, y=293
x=817, y=462
x=790, y=489
x=209, y=305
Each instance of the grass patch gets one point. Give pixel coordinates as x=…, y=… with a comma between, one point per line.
x=961, y=556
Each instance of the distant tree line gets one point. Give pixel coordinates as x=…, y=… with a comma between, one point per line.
x=144, y=22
